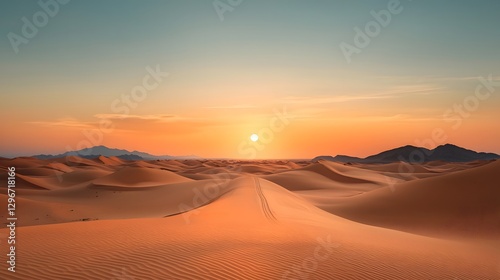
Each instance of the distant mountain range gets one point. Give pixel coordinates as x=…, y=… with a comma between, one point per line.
x=448, y=152
x=97, y=151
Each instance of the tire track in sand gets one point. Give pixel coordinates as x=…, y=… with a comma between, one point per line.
x=265, y=205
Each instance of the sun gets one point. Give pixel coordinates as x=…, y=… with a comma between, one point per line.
x=254, y=137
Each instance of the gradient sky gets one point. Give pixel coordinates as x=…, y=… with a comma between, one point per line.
x=228, y=78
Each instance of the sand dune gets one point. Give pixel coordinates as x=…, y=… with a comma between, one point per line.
x=114, y=219
x=34, y=171
x=22, y=162
x=139, y=177
x=59, y=166
x=464, y=203
x=110, y=160
x=78, y=161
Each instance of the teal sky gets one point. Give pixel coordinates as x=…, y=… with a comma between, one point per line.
x=91, y=51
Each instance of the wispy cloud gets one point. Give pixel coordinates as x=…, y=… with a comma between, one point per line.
x=395, y=92
x=135, y=123
x=159, y=117
x=434, y=79
x=237, y=106
x=424, y=89
x=378, y=118
x=65, y=122
x=467, y=78
x=318, y=114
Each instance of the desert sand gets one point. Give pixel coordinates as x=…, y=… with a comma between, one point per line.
x=108, y=218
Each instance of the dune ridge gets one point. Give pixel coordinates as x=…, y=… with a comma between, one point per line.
x=110, y=218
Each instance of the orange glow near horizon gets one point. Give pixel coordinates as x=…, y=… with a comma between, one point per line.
x=226, y=134
x=193, y=85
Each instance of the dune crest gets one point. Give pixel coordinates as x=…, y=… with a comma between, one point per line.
x=226, y=219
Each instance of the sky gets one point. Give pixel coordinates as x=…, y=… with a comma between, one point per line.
x=199, y=77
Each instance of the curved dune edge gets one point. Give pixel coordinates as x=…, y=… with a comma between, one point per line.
x=224, y=219
x=139, y=176
x=210, y=246
x=460, y=204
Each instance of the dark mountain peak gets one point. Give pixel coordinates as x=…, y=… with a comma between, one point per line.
x=102, y=150
x=452, y=148
x=454, y=153
x=449, y=146
x=100, y=147
x=408, y=147
x=406, y=153
x=413, y=154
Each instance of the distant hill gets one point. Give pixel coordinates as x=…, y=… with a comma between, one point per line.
x=407, y=153
x=125, y=157
x=448, y=152
x=452, y=153
x=97, y=151
x=339, y=158
x=130, y=157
